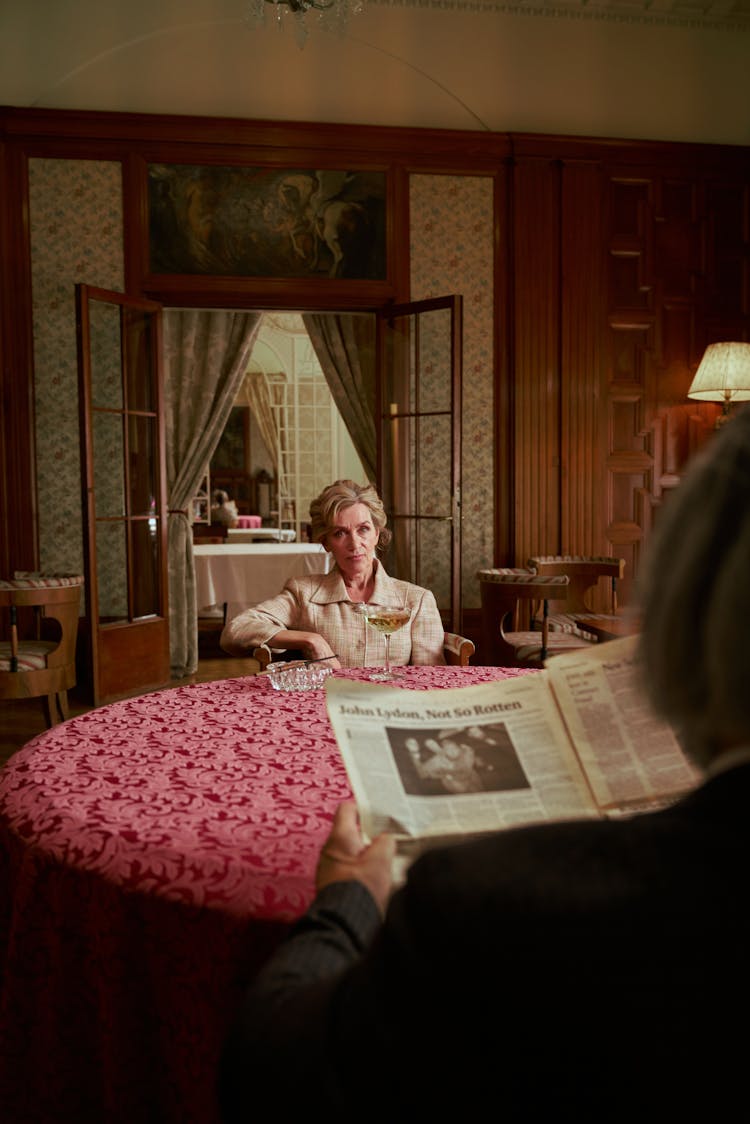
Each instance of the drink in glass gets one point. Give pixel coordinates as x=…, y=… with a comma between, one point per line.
x=386, y=619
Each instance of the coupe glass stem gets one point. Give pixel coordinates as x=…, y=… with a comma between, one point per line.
x=387, y=639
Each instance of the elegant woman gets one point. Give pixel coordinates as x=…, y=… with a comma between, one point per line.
x=319, y=613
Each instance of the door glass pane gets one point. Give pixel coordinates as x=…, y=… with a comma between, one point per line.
x=431, y=348
x=420, y=447
x=433, y=452
x=109, y=465
x=145, y=545
x=143, y=464
x=111, y=570
x=139, y=383
x=106, y=373
x=418, y=371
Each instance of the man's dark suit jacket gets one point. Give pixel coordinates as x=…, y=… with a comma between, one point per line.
x=594, y=971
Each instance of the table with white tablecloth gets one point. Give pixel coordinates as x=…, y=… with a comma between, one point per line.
x=236, y=575
x=260, y=534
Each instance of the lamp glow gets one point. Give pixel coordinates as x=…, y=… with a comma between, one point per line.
x=723, y=375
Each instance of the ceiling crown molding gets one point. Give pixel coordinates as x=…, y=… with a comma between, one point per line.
x=717, y=15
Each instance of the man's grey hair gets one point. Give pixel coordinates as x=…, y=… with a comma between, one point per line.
x=695, y=599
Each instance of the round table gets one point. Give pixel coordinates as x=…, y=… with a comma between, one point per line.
x=152, y=854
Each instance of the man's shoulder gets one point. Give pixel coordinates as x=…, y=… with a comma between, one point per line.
x=636, y=862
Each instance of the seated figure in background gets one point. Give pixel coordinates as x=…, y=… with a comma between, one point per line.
x=566, y=972
x=223, y=510
x=318, y=614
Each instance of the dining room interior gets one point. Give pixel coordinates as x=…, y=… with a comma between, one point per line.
x=524, y=224
x=595, y=261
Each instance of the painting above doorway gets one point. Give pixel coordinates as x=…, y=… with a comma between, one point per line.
x=252, y=222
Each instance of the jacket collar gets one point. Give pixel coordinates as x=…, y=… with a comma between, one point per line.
x=331, y=589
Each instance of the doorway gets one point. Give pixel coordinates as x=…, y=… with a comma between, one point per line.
x=285, y=439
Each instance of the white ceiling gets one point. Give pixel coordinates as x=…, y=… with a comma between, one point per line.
x=640, y=69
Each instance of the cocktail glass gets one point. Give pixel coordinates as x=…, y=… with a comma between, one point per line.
x=386, y=619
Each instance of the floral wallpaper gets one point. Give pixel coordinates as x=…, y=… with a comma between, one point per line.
x=76, y=235
x=451, y=252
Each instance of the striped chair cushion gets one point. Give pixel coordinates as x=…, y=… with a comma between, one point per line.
x=528, y=647
x=570, y=558
x=32, y=655
x=31, y=579
x=509, y=576
x=567, y=623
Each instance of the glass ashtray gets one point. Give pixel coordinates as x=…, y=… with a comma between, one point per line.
x=296, y=676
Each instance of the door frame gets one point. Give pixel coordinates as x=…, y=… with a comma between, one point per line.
x=125, y=656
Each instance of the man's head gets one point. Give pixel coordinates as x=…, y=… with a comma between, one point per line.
x=695, y=597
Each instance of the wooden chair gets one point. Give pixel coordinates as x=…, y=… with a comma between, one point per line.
x=501, y=591
x=457, y=651
x=584, y=574
x=210, y=533
x=43, y=665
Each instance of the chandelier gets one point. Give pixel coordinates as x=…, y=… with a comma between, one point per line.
x=330, y=15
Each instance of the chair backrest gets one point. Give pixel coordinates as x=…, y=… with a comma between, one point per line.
x=501, y=590
x=583, y=573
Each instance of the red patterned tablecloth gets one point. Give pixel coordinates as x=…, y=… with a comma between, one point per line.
x=152, y=853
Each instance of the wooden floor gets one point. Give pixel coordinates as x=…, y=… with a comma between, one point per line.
x=23, y=719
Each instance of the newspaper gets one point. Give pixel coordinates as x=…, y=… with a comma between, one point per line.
x=573, y=741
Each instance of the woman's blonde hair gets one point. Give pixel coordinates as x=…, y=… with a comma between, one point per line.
x=326, y=508
x=695, y=599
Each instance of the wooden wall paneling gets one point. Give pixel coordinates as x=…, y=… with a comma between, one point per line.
x=583, y=449
x=18, y=525
x=678, y=240
x=726, y=266
x=536, y=351
x=504, y=393
x=630, y=350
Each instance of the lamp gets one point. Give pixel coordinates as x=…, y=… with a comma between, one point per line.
x=330, y=15
x=723, y=375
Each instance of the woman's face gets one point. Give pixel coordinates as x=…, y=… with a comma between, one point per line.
x=352, y=539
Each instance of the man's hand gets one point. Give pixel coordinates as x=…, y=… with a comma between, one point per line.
x=345, y=857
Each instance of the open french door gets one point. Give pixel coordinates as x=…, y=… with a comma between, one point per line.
x=418, y=420
x=123, y=472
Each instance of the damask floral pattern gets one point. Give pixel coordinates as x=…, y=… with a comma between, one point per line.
x=152, y=854
x=451, y=251
x=76, y=235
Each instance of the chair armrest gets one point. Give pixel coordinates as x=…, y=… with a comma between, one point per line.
x=457, y=650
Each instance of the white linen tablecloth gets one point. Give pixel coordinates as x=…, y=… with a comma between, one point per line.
x=241, y=574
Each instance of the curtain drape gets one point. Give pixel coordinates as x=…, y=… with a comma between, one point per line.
x=258, y=399
x=205, y=358
x=345, y=347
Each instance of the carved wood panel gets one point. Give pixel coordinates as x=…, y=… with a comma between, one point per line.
x=676, y=272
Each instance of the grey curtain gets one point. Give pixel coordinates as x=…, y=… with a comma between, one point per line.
x=205, y=358
x=258, y=399
x=345, y=347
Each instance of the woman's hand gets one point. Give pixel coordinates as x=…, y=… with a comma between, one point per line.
x=345, y=857
x=314, y=646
